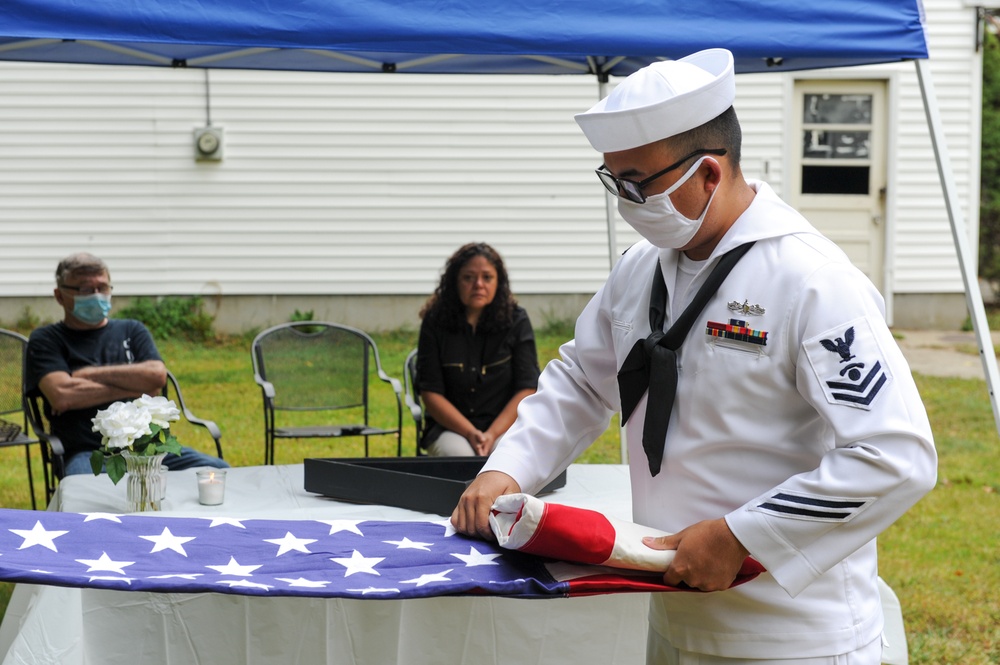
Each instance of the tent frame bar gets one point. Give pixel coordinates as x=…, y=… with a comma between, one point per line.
x=959, y=232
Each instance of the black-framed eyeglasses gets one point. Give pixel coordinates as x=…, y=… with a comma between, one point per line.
x=632, y=190
x=103, y=289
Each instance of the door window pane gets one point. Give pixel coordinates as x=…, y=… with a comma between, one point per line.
x=835, y=179
x=835, y=144
x=837, y=109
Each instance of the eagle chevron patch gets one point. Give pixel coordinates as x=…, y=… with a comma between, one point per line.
x=848, y=365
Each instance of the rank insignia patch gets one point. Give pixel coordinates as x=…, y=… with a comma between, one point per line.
x=848, y=364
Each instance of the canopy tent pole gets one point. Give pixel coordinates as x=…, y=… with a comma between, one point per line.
x=609, y=210
x=609, y=214
x=973, y=297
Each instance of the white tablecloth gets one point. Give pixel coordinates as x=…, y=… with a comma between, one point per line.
x=89, y=626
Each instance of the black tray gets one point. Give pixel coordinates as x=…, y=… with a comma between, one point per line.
x=425, y=484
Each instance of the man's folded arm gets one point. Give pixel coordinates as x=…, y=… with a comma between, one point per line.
x=92, y=386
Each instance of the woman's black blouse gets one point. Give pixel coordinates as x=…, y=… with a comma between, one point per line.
x=478, y=372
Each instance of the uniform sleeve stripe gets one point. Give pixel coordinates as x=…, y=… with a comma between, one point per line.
x=812, y=501
x=803, y=512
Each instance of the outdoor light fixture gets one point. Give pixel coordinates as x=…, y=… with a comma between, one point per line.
x=208, y=144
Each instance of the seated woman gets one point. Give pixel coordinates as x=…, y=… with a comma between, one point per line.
x=476, y=357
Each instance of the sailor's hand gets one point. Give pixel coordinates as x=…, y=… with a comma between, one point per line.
x=472, y=514
x=708, y=555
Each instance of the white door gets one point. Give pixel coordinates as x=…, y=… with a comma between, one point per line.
x=838, y=172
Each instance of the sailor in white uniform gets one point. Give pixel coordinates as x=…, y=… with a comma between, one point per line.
x=778, y=420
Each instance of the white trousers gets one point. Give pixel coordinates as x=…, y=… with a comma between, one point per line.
x=660, y=652
x=450, y=444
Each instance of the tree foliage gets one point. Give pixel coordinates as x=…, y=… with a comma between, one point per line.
x=989, y=206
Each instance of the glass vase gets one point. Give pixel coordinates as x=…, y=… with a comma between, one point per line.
x=143, y=481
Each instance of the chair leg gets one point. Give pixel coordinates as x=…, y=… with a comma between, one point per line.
x=268, y=436
x=31, y=480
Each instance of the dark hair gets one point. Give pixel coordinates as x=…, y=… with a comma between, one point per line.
x=722, y=131
x=444, y=305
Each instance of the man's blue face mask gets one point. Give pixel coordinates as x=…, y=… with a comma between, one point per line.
x=92, y=309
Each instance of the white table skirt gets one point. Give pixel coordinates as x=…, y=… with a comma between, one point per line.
x=89, y=626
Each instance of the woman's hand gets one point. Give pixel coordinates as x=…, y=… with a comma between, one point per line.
x=482, y=442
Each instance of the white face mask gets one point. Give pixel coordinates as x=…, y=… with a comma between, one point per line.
x=658, y=221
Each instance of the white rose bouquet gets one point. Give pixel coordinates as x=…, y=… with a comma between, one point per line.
x=141, y=427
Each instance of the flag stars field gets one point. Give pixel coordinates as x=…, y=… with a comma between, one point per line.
x=246, y=584
x=375, y=590
x=37, y=535
x=234, y=568
x=358, y=563
x=111, y=517
x=336, y=526
x=303, y=582
x=427, y=579
x=105, y=563
x=168, y=541
x=227, y=521
x=477, y=558
x=290, y=543
x=314, y=558
x=407, y=544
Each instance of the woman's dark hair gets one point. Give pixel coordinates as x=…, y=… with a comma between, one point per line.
x=447, y=309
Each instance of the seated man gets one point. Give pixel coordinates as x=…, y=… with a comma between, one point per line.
x=87, y=361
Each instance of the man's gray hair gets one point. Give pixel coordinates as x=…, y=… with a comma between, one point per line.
x=80, y=263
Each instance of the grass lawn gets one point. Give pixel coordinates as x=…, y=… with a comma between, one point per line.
x=942, y=558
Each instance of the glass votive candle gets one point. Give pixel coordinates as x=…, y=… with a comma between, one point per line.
x=163, y=482
x=211, y=486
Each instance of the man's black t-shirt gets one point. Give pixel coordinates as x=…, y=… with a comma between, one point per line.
x=59, y=348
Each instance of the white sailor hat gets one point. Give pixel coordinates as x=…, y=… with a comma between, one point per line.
x=662, y=100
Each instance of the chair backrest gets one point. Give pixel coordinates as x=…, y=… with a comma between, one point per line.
x=14, y=410
x=178, y=398
x=410, y=378
x=12, y=357
x=412, y=395
x=53, y=453
x=315, y=366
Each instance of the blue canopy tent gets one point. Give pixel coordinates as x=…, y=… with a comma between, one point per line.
x=486, y=37
x=459, y=36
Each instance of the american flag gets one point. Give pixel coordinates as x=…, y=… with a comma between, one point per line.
x=266, y=557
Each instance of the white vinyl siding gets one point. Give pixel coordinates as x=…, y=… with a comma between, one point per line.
x=363, y=184
x=925, y=259
x=330, y=183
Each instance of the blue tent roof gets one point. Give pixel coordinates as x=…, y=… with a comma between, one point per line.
x=460, y=36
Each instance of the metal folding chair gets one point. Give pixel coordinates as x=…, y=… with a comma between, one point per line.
x=14, y=426
x=412, y=397
x=323, y=371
